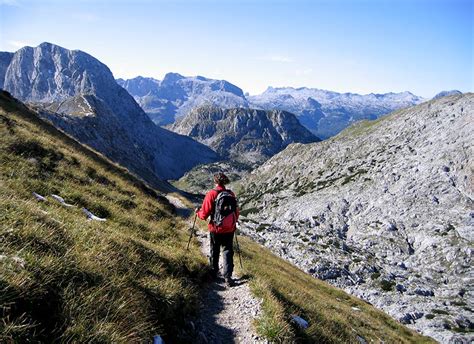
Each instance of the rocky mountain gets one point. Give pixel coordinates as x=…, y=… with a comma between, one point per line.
x=166, y=100
x=5, y=59
x=326, y=113
x=447, y=93
x=246, y=135
x=384, y=210
x=79, y=94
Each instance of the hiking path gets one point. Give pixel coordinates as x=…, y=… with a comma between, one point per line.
x=226, y=314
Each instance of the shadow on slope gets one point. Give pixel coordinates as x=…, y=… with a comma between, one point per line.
x=66, y=279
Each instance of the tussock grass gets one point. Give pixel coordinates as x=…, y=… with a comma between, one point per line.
x=273, y=323
x=66, y=279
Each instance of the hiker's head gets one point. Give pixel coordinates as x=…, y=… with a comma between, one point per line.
x=221, y=179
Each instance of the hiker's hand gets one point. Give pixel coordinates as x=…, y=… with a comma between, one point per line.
x=196, y=210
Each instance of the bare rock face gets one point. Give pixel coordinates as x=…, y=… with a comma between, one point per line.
x=5, y=59
x=326, y=113
x=246, y=135
x=176, y=95
x=79, y=94
x=384, y=210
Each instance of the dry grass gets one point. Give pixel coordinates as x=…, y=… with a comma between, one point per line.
x=66, y=279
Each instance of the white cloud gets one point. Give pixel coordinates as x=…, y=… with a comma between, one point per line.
x=18, y=44
x=276, y=58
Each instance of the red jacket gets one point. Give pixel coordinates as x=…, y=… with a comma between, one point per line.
x=207, y=207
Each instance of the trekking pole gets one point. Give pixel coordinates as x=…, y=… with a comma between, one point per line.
x=192, y=232
x=238, y=251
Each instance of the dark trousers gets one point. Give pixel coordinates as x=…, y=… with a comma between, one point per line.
x=224, y=240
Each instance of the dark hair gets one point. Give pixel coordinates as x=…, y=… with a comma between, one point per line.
x=221, y=179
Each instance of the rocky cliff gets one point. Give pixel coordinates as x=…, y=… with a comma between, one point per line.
x=326, y=113
x=80, y=95
x=166, y=100
x=246, y=135
x=383, y=210
x=5, y=59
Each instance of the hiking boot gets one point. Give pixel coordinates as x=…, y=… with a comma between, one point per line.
x=229, y=282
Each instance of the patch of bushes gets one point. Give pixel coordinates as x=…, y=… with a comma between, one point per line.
x=262, y=227
x=387, y=285
x=248, y=211
x=375, y=275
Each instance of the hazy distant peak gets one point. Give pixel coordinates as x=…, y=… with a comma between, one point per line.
x=176, y=95
x=171, y=78
x=326, y=113
x=447, y=93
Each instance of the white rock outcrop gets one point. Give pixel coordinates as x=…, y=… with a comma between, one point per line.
x=384, y=210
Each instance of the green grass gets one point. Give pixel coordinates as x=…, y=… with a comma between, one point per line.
x=66, y=279
x=272, y=324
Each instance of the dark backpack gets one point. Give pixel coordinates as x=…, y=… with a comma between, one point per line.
x=225, y=207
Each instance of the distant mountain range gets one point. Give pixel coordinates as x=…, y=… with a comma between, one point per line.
x=324, y=113
x=79, y=94
x=245, y=135
x=173, y=97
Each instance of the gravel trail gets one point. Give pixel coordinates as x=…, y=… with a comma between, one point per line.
x=226, y=314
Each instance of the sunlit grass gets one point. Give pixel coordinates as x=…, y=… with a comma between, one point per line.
x=64, y=278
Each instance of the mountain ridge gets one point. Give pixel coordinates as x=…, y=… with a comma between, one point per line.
x=49, y=75
x=173, y=97
x=326, y=113
x=246, y=135
x=323, y=112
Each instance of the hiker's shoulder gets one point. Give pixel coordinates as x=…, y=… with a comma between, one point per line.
x=212, y=193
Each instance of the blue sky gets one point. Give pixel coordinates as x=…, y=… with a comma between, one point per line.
x=362, y=46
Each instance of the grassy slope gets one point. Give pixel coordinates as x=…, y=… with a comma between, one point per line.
x=66, y=279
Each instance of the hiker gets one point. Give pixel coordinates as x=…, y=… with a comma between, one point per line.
x=220, y=204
